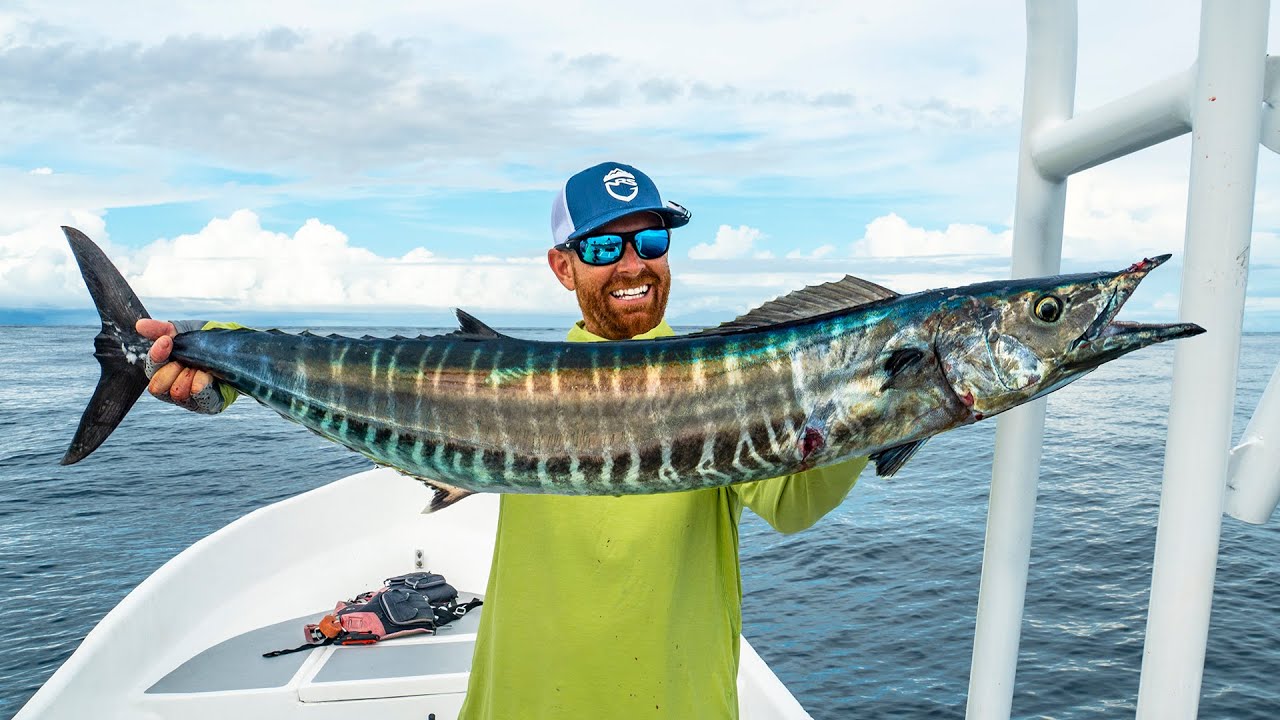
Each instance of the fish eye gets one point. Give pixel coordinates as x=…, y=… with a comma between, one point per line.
x=1048, y=308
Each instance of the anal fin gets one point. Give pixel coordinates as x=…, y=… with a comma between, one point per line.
x=891, y=460
x=445, y=494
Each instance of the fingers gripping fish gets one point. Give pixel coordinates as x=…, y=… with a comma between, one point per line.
x=824, y=374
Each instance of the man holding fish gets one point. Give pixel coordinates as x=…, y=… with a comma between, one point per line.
x=600, y=606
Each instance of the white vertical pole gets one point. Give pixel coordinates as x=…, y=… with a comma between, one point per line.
x=1048, y=99
x=1253, y=471
x=1226, y=114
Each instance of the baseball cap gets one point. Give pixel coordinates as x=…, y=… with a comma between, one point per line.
x=603, y=193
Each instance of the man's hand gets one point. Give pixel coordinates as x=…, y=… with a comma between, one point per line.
x=171, y=381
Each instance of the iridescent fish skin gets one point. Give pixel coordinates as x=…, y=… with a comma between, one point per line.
x=828, y=373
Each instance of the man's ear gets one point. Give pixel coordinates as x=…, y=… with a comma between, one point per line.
x=562, y=265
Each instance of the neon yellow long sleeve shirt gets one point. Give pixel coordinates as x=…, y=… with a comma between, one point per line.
x=626, y=607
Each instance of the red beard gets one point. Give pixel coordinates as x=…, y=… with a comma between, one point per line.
x=605, y=317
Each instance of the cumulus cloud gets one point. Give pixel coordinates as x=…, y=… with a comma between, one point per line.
x=36, y=268
x=731, y=242
x=234, y=262
x=892, y=236
x=1113, y=216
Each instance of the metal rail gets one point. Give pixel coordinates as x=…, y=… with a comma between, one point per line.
x=1221, y=100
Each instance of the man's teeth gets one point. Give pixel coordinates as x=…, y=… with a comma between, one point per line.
x=631, y=292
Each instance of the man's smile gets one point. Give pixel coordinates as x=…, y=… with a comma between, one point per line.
x=633, y=294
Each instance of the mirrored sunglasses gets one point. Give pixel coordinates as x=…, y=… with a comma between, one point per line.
x=606, y=249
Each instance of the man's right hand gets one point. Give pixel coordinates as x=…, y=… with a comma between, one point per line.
x=171, y=381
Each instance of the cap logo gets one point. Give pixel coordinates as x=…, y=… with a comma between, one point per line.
x=621, y=185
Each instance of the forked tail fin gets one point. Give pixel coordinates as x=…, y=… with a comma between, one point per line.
x=120, y=350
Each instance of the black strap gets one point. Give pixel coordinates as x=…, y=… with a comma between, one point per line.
x=300, y=648
x=448, y=612
x=467, y=607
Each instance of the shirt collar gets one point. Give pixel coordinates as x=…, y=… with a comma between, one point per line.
x=578, y=333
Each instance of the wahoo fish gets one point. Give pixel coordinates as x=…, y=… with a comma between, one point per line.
x=827, y=373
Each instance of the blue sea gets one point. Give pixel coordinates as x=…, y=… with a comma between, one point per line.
x=869, y=614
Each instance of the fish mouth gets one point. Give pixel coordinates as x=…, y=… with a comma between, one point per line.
x=1107, y=338
x=1121, y=338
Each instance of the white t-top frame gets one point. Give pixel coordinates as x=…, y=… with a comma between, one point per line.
x=1224, y=100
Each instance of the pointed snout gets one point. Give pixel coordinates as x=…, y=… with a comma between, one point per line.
x=1122, y=338
x=1107, y=339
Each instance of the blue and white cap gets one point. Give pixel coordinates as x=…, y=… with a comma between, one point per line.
x=603, y=193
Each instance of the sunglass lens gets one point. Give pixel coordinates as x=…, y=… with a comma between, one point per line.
x=652, y=244
x=600, y=249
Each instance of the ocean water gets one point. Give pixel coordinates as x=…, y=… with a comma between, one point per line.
x=869, y=614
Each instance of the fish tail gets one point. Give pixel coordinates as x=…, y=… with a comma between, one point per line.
x=120, y=350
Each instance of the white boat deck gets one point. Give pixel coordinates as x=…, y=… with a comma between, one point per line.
x=188, y=642
x=436, y=662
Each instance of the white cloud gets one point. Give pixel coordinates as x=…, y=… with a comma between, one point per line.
x=731, y=242
x=891, y=236
x=1129, y=209
x=1120, y=212
x=816, y=254
x=41, y=171
x=234, y=262
x=36, y=268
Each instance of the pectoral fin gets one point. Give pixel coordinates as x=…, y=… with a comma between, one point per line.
x=891, y=460
x=899, y=363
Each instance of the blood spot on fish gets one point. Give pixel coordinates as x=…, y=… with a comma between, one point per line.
x=1143, y=264
x=812, y=442
x=967, y=398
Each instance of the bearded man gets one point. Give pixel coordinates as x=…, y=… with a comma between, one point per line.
x=598, y=606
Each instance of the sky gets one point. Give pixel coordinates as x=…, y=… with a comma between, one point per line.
x=321, y=162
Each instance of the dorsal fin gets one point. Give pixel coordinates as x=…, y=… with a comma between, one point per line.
x=809, y=302
x=470, y=328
